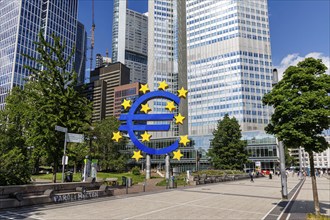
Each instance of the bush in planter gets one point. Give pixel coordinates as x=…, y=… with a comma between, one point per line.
x=136, y=171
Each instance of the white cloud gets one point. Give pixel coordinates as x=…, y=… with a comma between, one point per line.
x=294, y=59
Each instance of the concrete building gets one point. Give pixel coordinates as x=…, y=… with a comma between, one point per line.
x=128, y=92
x=21, y=21
x=321, y=160
x=80, y=56
x=130, y=40
x=101, y=91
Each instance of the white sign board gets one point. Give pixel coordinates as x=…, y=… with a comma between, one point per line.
x=62, y=129
x=65, y=160
x=258, y=163
x=75, y=138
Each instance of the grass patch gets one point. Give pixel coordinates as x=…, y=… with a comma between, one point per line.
x=311, y=216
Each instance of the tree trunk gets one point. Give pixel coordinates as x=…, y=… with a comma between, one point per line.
x=54, y=171
x=314, y=186
x=75, y=168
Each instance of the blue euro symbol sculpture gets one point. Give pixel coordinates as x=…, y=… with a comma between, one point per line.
x=131, y=116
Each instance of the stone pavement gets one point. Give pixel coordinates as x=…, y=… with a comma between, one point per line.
x=228, y=200
x=304, y=202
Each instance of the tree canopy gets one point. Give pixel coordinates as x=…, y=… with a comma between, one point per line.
x=301, y=104
x=227, y=150
x=49, y=98
x=106, y=149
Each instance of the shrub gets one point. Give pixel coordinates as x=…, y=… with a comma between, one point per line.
x=136, y=171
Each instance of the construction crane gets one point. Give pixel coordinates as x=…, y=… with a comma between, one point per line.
x=92, y=37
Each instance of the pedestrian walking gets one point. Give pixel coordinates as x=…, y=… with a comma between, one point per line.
x=251, y=176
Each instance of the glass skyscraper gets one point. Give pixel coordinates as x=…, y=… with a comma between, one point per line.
x=229, y=64
x=130, y=40
x=20, y=23
x=167, y=56
x=80, y=56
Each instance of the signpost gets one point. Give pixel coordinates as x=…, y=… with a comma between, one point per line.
x=68, y=137
x=75, y=138
x=65, y=130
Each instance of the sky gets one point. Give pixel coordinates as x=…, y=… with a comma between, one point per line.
x=298, y=28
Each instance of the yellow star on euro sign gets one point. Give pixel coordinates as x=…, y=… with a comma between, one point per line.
x=179, y=119
x=145, y=136
x=162, y=85
x=137, y=155
x=182, y=93
x=177, y=155
x=184, y=140
x=145, y=108
x=116, y=136
x=144, y=88
x=170, y=106
x=126, y=104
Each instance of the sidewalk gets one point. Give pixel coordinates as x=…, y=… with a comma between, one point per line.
x=304, y=204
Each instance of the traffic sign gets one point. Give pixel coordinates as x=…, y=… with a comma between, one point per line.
x=62, y=129
x=75, y=138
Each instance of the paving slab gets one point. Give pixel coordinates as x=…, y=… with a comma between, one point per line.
x=227, y=200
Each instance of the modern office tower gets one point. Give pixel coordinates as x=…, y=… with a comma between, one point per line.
x=130, y=40
x=98, y=60
x=167, y=56
x=102, y=61
x=80, y=56
x=20, y=23
x=229, y=64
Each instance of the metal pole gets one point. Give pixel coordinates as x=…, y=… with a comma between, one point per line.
x=196, y=160
x=64, y=157
x=148, y=167
x=300, y=160
x=283, y=173
x=167, y=167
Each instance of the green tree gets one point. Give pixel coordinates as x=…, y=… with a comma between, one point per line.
x=107, y=150
x=227, y=150
x=14, y=162
x=53, y=100
x=289, y=160
x=301, y=102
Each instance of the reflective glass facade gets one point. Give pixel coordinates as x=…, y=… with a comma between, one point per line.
x=130, y=40
x=167, y=58
x=80, y=56
x=229, y=63
x=21, y=21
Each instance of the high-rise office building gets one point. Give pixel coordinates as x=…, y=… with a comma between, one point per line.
x=167, y=56
x=80, y=56
x=229, y=64
x=20, y=23
x=102, y=61
x=130, y=40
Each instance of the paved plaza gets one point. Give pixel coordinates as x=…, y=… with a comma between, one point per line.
x=228, y=200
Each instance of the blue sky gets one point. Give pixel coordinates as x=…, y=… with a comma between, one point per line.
x=297, y=27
